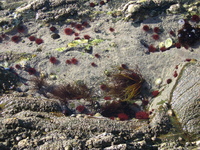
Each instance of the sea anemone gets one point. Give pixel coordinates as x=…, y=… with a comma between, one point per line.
x=111, y=29
x=169, y=81
x=151, y=48
x=156, y=29
x=39, y=41
x=162, y=49
x=76, y=34
x=53, y=60
x=195, y=18
x=17, y=66
x=15, y=39
x=93, y=64
x=85, y=24
x=53, y=29
x=141, y=115
x=31, y=71
x=103, y=87
x=155, y=93
x=79, y=27
x=68, y=31
x=175, y=74
x=123, y=116
x=68, y=62
x=146, y=28
x=178, y=45
x=102, y=3
x=31, y=38
x=74, y=61
x=87, y=37
x=97, y=55
x=77, y=38
x=155, y=36
x=21, y=29
x=92, y=4
x=80, y=108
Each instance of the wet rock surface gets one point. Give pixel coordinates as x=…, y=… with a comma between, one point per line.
x=38, y=123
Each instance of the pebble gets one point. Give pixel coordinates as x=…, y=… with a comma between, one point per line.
x=158, y=81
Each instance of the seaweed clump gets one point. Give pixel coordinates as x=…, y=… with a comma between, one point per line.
x=66, y=92
x=188, y=35
x=126, y=84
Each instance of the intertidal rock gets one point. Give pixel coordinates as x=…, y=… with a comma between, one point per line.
x=185, y=99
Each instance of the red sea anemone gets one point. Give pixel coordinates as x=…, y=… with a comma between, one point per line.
x=97, y=55
x=79, y=27
x=151, y=48
x=169, y=81
x=17, y=66
x=74, y=61
x=21, y=29
x=68, y=31
x=111, y=29
x=92, y=4
x=146, y=28
x=80, y=108
x=15, y=39
x=195, y=18
x=123, y=116
x=87, y=37
x=53, y=29
x=31, y=71
x=175, y=74
x=53, y=60
x=76, y=34
x=85, y=24
x=102, y=3
x=155, y=93
x=141, y=115
x=93, y=64
x=39, y=41
x=103, y=87
x=162, y=49
x=156, y=29
x=178, y=45
x=68, y=62
x=31, y=38
x=155, y=36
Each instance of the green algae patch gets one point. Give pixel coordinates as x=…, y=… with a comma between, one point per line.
x=61, y=49
x=85, y=43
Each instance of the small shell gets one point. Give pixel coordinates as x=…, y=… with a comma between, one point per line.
x=168, y=42
x=158, y=81
x=161, y=44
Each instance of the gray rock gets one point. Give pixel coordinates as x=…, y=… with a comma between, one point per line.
x=185, y=99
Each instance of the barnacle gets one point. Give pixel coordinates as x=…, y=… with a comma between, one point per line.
x=126, y=84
